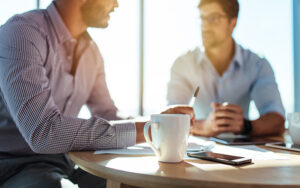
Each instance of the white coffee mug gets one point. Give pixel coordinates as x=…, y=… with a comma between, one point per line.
x=170, y=134
x=294, y=126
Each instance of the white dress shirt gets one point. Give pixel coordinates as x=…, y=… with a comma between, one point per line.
x=248, y=77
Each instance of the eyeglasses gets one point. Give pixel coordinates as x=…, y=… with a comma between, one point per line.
x=212, y=19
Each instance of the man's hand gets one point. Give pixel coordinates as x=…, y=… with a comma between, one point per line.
x=180, y=109
x=229, y=118
x=207, y=127
x=224, y=118
x=170, y=110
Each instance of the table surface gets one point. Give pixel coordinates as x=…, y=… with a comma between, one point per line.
x=146, y=171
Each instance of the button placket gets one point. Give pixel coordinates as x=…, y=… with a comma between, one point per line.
x=219, y=91
x=69, y=102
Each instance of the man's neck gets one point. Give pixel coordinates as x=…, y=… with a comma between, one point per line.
x=70, y=13
x=221, y=56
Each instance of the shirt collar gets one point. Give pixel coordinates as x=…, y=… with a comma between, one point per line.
x=60, y=28
x=238, y=55
x=237, y=58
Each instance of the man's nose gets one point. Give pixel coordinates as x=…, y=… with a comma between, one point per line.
x=116, y=4
x=204, y=24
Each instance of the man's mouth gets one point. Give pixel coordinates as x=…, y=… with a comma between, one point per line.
x=207, y=34
x=113, y=10
x=108, y=14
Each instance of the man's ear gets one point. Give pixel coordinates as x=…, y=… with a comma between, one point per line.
x=233, y=22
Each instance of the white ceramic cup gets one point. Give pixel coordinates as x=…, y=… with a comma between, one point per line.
x=170, y=134
x=294, y=126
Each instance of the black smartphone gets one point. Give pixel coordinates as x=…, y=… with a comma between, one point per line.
x=222, y=158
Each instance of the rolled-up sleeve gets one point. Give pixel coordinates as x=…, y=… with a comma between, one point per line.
x=26, y=91
x=264, y=90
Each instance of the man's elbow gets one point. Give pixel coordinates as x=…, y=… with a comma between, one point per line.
x=281, y=128
x=37, y=148
x=42, y=146
x=280, y=120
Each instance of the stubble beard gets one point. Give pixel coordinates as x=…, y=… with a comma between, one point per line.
x=93, y=15
x=210, y=44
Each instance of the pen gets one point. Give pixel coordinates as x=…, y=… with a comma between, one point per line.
x=192, y=102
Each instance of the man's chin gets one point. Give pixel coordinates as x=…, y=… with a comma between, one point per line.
x=99, y=25
x=208, y=45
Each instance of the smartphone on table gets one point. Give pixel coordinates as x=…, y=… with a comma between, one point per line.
x=221, y=158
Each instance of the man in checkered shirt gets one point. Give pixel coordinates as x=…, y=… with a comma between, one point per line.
x=49, y=68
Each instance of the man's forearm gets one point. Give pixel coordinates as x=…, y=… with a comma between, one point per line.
x=140, y=132
x=268, y=124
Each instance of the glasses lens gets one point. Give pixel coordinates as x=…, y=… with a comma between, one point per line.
x=212, y=19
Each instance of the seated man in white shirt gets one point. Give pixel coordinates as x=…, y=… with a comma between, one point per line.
x=229, y=77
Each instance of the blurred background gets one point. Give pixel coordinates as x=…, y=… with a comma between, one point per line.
x=146, y=36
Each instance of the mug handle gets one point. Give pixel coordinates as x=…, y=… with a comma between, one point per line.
x=146, y=135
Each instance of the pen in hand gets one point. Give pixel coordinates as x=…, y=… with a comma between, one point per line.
x=193, y=100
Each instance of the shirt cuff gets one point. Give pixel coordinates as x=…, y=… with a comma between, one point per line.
x=125, y=133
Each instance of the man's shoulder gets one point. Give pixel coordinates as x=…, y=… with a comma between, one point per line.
x=191, y=56
x=251, y=58
x=24, y=31
x=254, y=63
x=34, y=19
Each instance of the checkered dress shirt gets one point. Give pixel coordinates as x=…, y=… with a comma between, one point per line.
x=40, y=98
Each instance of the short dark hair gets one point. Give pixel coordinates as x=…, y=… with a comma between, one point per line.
x=230, y=7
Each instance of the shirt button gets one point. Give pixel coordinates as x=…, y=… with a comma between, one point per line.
x=69, y=57
x=70, y=102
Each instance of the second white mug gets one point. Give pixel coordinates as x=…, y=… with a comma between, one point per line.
x=294, y=127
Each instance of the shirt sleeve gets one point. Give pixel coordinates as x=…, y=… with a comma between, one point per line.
x=264, y=90
x=179, y=88
x=26, y=91
x=100, y=102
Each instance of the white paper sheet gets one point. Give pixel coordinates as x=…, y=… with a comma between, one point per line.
x=144, y=149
